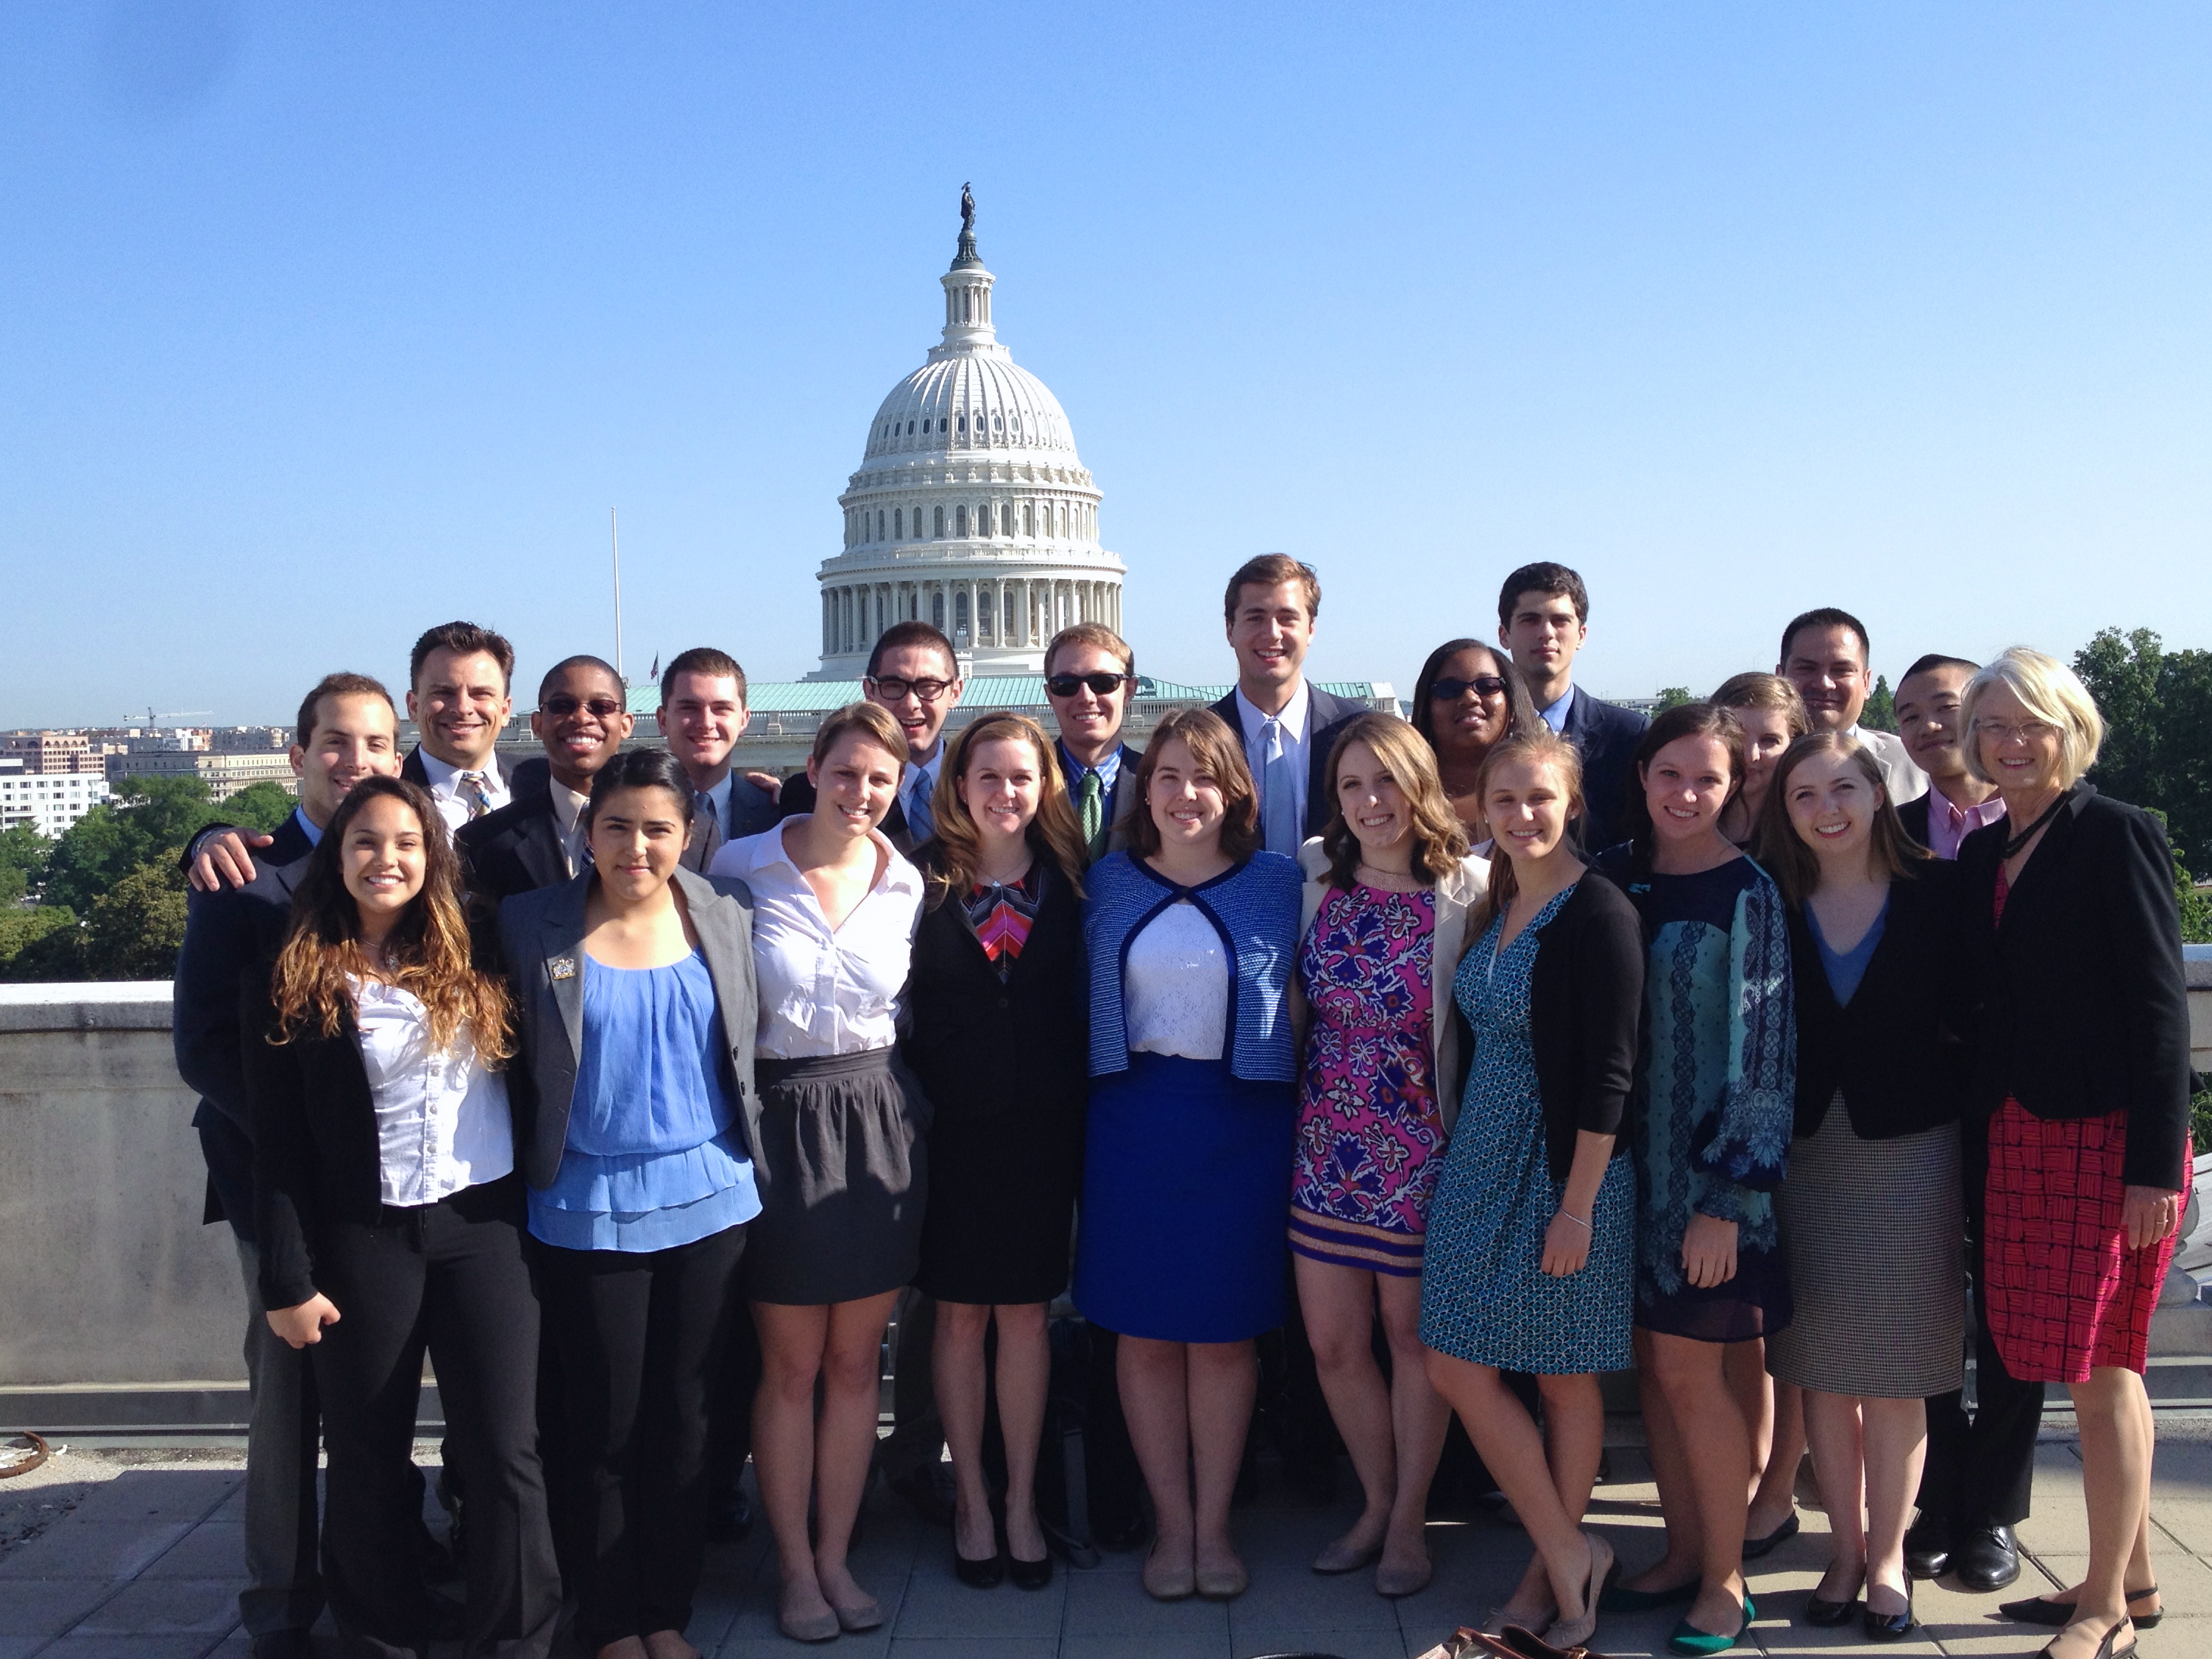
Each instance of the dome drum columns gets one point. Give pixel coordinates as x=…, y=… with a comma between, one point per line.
x=1019, y=614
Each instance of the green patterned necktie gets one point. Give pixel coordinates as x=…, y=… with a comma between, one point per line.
x=1091, y=808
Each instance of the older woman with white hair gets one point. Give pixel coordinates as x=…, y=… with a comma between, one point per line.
x=2079, y=1028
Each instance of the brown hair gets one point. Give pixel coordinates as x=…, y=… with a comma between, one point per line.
x=463, y=639
x=1756, y=690
x=1684, y=720
x=865, y=719
x=701, y=660
x=1783, y=851
x=1545, y=747
x=1553, y=580
x=428, y=952
x=1439, y=838
x=1091, y=633
x=1214, y=747
x=1272, y=570
x=1053, y=833
x=340, y=684
x=913, y=631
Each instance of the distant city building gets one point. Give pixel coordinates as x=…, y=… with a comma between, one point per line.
x=251, y=740
x=48, y=801
x=224, y=775
x=53, y=751
x=970, y=509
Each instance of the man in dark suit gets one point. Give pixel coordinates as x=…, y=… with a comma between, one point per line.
x=1287, y=726
x=914, y=676
x=1090, y=673
x=537, y=840
x=1543, y=617
x=348, y=731
x=701, y=715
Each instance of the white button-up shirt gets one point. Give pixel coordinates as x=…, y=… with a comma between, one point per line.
x=825, y=991
x=442, y=1122
x=446, y=790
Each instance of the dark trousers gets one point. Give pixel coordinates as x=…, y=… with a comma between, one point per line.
x=283, y=1449
x=640, y=1337
x=1981, y=1467
x=450, y=1277
x=730, y=1414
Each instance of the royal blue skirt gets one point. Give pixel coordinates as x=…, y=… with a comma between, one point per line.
x=1186, y=1174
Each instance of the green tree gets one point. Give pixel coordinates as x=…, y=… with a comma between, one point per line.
x=1674, y=697
x=137, y=926
x=23, y=855
x=1880, y=714
x=2157, y=706
x=24, y=953
x=149, y=816
x=259, y=806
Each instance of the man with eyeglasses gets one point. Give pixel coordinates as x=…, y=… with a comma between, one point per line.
x=912, y=676
x=1089, y=674
x=537, y=839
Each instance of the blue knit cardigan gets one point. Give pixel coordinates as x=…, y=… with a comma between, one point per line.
x=1254, y=909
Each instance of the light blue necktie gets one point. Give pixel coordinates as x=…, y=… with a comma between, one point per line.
x=918, y=823
x=1278, y=800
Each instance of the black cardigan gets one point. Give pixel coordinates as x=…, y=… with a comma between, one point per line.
x=1585, y=1013
x=1889, y=1050
x=2076, y=1004
x=980, y=1048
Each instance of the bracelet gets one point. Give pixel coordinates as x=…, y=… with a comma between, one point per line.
x=1576, y=1220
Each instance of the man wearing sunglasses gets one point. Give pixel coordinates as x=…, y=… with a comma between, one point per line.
x=916, y=679
x=1089, y=674
x=537, y=840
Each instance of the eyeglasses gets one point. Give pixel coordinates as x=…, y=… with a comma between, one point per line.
x=892, y=689
x=1102, y=685
x=1489, y=685
x=2027, y=730
x=563, y=706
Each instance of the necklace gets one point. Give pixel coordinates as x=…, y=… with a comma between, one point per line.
x=2012, y=848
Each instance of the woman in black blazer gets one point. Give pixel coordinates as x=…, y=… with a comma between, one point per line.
x=1000, y=1042
x=2079, y=1033
x=390, y=1219
x=1872, y=1222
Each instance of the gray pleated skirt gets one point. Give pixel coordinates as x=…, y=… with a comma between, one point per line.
x=1873, y=1232
x=845, y=1152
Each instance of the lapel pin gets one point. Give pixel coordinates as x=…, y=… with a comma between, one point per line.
x=563, y=967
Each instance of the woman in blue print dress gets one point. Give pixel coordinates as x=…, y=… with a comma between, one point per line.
x=1715, y=1107
x=1530, y=1260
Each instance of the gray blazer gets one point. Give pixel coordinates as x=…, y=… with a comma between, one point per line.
x=542, y=933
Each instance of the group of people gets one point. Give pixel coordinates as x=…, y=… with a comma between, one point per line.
x=1492, y=1050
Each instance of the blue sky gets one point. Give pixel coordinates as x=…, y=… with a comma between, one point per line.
x=319, y=324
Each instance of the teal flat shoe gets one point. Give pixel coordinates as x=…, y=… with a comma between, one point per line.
x=1617, y=1600
x=1697, y=1643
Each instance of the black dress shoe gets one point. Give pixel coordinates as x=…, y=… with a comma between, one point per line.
x=1928, y=1545
x=1755, y=1548
x=1030, y=1575
x=1987, y=1558
x=282, y=1644
x=729, y=1515
x=2049, y=1611
x=987, y=1574
x=1891, y=1626
x=1829, y=1613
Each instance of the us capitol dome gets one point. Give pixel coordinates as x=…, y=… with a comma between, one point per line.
x=970, y=509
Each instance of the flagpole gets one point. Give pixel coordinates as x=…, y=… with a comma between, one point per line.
x=614, y=534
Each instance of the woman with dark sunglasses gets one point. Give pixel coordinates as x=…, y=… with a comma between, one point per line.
x=1468, y=699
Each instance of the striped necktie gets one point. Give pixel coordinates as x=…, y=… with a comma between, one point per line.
x=474, y=794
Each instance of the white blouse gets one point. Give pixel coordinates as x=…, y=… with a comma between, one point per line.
x=442, y=1122
x=824, y=991
x=1175, y=986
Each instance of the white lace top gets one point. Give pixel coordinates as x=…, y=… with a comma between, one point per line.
x=1175, y=986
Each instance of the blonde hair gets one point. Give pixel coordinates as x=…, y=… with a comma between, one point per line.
x=2049, y=690
x=1544, y=747
x=1756, y=690
x=864, y=720
x=1053, y=832
x=1439, y=838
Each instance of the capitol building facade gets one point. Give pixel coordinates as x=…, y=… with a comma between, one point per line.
x=970, y=509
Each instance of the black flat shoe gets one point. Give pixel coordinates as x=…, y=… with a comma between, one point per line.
x=1987, y=1558
x=2104, y=1648
x=1928, y=1547
x=1891, y=1626
x=987, y=1574
x=1755, y=1548
x=1828, y=1614
x=1615, y=1599
x=2056, y=1614
x=1028, y=1575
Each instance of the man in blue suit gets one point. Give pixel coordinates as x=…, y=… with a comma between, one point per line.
x=1543, y=617
x=1287, y=726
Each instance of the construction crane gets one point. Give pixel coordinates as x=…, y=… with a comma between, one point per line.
x=152, y=719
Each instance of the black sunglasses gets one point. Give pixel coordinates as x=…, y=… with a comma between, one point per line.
x=562, y=706
x=1452, y=691
x=1066, y=685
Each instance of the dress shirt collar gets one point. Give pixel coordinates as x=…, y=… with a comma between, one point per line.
x=766, y=853
x=1108, y=769
x=719, y=796
x=1293, y=717
x=308, y=827
x=1555, y=714
x=442, y=776
x=1949, y=823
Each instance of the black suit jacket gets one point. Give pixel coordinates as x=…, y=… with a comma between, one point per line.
x=520, y=776
x=799, y=797
x=2078, y=1003
x=1608, y=735
x=226, y=934
x=752, y=810
x=1889, y=1049
x=1913, y=814
x=1326, y=714
x=981, y=1049
x=516, y=849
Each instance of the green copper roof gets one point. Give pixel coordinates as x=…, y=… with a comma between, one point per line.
x=984, y=692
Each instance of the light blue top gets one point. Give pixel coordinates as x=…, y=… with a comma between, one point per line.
x=651, y=1162
x=1846, y=969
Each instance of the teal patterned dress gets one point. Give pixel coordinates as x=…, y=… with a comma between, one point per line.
x=1485, y=1295
x=1716, y=1092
